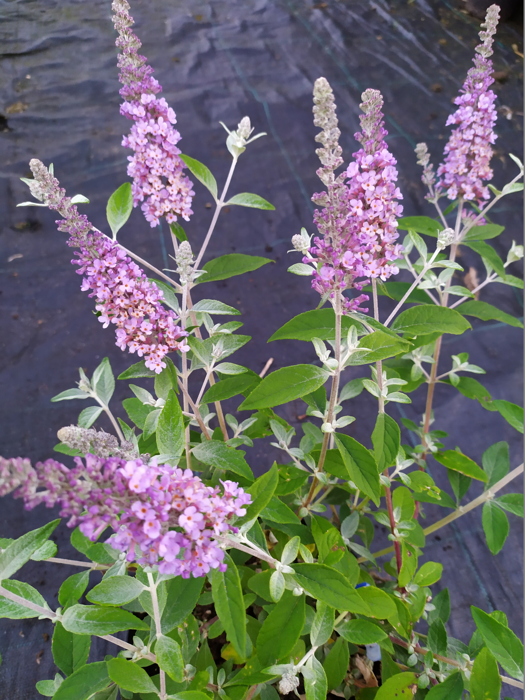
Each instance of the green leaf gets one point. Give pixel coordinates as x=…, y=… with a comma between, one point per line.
x=119, y=208
x=202, y=174
x=437, y=637
x=403, y=499
x=495, y=525
x=48, y=549
x=442, y=604
x=48, y=688
x=461, y=463
x=70, y=651
x=261, y=492
x=420, y=224
x=168, y=297
x=400, y=685
x=170, y=428
x=378, y=346
x=319, y=323
x=428, y=574
x=246, y=199
x=129, y=676
x=284, y=385
x=178, y=231
x=169, y=658
x=231, y=265
x=117, y=590
x=13, y=611
x=103, y=381
x=361, y=466
x=137, y=411
x=329, y=586
x=386, y=440
x=136, y=371
x=70, y=394
x=232, y=386
x=281, y=629
x=278, y=512
x=181, y=598
x=511, y=502
x=73, y=588
x=336, y=663
x=485, y=683
x=220, y=455
x=429, y=318
x=381, y=605
x=229, y=604
x=450, y=689
x=82, y=684
x=487, y=312
x=210, y=306
x=482, y=233
x=496, y=462
x=512, y=413
x=90, y=619
x=501, y=641
x=397, y=290
x=361, y=632
x=315, y=682
x=322, y=625
x=88, y=416
x=16, y=554
x=488, y=254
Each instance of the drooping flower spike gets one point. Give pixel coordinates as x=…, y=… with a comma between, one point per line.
x=156, y=167
x=358, y=220
x=124, y=295
x=469, y=149
x=160, y=514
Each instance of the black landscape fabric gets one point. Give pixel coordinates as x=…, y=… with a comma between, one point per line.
x=218, y=61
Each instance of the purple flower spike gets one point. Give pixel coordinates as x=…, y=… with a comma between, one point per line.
x=358, y=221
x=156, y=168
x=124, y=295
x=160, y=514
x=468, y=151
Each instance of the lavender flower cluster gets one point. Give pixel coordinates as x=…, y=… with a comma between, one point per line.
x=124, y=295
x=160, y=514
x=156, y=167
x=126, y=298
x=468, y=151
x=358, y=220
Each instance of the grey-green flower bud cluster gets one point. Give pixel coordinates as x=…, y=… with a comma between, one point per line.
x=96, y=442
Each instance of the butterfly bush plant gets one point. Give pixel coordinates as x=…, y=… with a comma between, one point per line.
x=209, y=582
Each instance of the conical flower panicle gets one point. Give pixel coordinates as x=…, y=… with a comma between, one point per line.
x=358, y=219
x=156, y=167
x=469, y=149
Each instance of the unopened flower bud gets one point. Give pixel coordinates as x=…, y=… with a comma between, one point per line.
x=244, y=128
x=288, y=683
x=515, y=253
x=446, y=237
x=298, y=243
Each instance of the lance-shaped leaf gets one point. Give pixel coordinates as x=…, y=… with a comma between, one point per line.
x=17, y=553
x=487, y=312
x=329, y=586
x=169, y=658
x=319, y=323
x=386, y=439
x=360, y=465
x=461, y=463
x=361, y=632
x=231, y=265
x=218, y=454
x=485, y=682
x=284, y=385
x=129, y=676
x=488, y=254
x=247, y=199
x=15, y=611
x=117, y=590
x=202, y=173
x=91, y=619
x=229, y=604
x=429, y=318
x=170, y=428
x=119, y=208
x=495, y=525
x=70, y=651
x=501, y=641
x=84, y=683
x=281, y=629
x=420, y=224
x=261, y=492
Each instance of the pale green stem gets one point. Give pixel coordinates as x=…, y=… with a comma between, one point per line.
x=219, y=206
x=158, y=628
